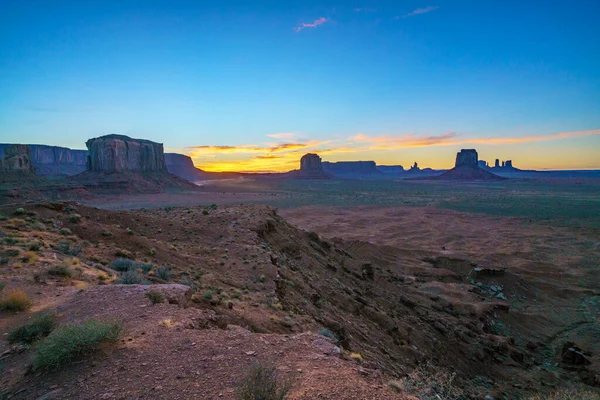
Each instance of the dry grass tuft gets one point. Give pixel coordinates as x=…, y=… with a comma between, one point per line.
x=15, y=300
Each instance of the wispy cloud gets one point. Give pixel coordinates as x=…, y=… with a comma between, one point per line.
x=402, y=141
x=313, y=24
x=419, y=11
x=359, y=9
x=535, y=138
x=452, y=138
x=281, y=135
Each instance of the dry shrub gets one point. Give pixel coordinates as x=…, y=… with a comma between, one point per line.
x=577, y=393
x=15, y=300
x=263, y=383
x=432, y=383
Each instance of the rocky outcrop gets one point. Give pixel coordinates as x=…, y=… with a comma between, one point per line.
x=351, y=168
x=467, y=169
x=54, y=160
x=391, y=169
x=17, y=159
x=118, y=153
x=311, y=167
x=466, y=157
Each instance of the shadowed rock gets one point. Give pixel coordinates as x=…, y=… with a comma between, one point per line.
x=466, y=157
x=118, y=153
x=17, y=158
x=311, y=166
x=351, y=168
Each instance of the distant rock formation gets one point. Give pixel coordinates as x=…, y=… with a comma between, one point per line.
x=483, y=164
x=391, y=169
x=497, y=163
x=311, y=166
x=119, y=153
x=466, y=157
x=351, y=168
x=414, y=168
x=466, y=168
x=17, y=159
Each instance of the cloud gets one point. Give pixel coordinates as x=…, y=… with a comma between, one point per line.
x=285, y=156
x=313, y=24
x=282, y=135
x=358, y=9
x=402, y=141
x=535, y=138
x=419, y=11
x=452, y=138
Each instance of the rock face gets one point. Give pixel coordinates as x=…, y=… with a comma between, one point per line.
x=54, y=160
x=118, y=153
x=351, y=168
x=17, y=158
x=467, y=169
x=311, y=167
x=466, y=157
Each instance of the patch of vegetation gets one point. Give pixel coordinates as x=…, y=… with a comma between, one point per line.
x=566, y=394
x=207, y=295
x=123, y=253
x=123, y=264
x=262, y=383
x=2, y=285
x=36, y=246
x=187, y=281
x=145, y=267
x=130, y=278
x=70, y=341
x=10, y=241
x=155, y=297
x=13, y=252
x=164, y=272
x=205, y=212
x=130, y=231
x=19, y=211
x=15, y=300
x=430, y=383
x=106, y=234
x=65, y=232
x=63, y=271
x=330, y=334
x=67, y=248
x=30, y=257
x=3, y=260
x=74, y=218
x=40, y=327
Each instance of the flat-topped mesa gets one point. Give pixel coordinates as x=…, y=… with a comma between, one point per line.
x=119, y=153
x=466, y=157
x=17, y=158
x=310, y=164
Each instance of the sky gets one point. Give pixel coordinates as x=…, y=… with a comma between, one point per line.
x=252, y=86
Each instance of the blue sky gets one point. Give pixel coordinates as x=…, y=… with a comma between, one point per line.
x=229, y=82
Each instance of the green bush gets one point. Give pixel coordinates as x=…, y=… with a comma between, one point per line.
x=74, y=218
x=155, y=297
x=66, y=248
x=123, y=264
x=20, y=211
x=130, y=278
x=262, y=383
x=65, y=232
x=73, y=340
x=207, y=295
x=61, y=270
x=2, y=285
x=35, y=246
x=145, y=267
x=37, y=329
x=164, y=272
